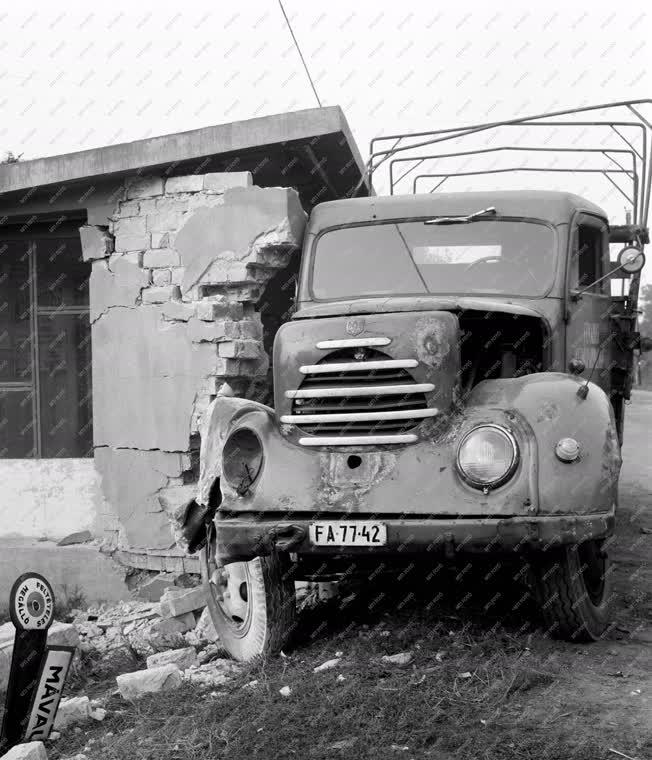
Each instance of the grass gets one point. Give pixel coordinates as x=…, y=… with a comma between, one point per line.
x=468, y=693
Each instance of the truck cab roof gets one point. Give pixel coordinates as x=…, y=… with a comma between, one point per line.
x=550, y=206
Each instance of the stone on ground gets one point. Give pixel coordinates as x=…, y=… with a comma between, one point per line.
x=205, y=630
x=402, y=658
x=182, y=658
x=135, y=685
x=28, y=751
x=176, y=602
x=327, y=665
x=168, y=634
x=72, y=711
x=214, y=673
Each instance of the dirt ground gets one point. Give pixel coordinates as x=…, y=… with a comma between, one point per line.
x=479, y=686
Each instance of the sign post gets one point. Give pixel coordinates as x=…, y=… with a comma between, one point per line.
x=31, y=605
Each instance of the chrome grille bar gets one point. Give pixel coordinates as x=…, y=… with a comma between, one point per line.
x=410, y=414
x=368, y=390
x=320, y=369
x=353, y=343
x=357, y=440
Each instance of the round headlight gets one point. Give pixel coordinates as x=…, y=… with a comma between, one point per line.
x=487, y=456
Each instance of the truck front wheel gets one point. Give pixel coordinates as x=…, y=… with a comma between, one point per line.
x=252, y=604
x=572, y=588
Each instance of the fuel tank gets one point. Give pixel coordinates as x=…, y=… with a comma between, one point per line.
x=366, y=380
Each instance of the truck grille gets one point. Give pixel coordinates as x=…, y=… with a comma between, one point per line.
x=355, y=393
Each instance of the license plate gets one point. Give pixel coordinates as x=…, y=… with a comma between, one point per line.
x=350, y=533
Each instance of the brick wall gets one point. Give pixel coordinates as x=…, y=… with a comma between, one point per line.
x=177, y=293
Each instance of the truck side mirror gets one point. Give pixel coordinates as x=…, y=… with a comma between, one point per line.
x=631, y=260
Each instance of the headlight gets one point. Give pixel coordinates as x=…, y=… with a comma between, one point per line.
x=487, y=456
x=242, y=459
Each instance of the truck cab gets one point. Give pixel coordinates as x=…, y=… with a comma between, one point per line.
x=453, y=379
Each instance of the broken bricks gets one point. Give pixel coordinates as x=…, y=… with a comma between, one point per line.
x=134, y=685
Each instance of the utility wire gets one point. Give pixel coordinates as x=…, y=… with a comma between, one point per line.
x=287, y=21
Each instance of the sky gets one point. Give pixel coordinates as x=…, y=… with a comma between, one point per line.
x=81, y=75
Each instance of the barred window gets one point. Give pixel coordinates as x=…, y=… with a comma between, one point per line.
x=45, y=346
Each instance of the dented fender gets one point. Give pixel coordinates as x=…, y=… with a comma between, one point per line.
x=549, y=403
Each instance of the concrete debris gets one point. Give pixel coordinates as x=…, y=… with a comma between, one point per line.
x=134, y=685
x=210, y=652
x=327, y=665
x=175, y=602
x=168, y=634
x=28, y=751
x=73, y=711
x=285, y=691
x=71, y=539
x=401, y=659
x=204, y=631
x=214, y=673
x=182, y=658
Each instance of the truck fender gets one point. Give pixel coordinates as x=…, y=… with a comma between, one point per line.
x=550, y=404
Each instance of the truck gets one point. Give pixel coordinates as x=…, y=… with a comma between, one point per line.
x=453, y=380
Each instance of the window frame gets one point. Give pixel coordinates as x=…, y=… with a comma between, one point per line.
x=30, y=240
x=585, y=219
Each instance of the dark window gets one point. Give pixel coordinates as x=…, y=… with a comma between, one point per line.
x=588, y=256
x=45, y=347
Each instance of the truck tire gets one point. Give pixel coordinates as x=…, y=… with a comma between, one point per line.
x=252, y=604
x=571, y=585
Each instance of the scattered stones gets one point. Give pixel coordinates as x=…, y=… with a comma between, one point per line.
x=210, y=652
x=168, y=634
x=28, y=751
x=214, y=673
x=343, y=744
x=182, y=658
x=175, y=602
x=81, y=537
x=134, y=685
x=401, y=659
x=285, y=691
x=327, y=665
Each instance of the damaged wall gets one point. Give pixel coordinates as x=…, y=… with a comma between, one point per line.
x=176, y=290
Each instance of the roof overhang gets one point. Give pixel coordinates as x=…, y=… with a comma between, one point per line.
x=311, y=150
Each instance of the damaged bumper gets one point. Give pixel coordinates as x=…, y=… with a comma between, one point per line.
x=242, y=539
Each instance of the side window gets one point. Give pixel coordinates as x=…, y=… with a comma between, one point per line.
x=588, y=257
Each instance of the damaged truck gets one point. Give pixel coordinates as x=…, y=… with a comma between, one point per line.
x=453, y=379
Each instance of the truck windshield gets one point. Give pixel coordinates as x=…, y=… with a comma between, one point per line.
x=487, y=256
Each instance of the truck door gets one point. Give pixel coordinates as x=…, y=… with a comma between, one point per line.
x=588, y=328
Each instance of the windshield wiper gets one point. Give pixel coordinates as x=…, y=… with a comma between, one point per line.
x=491, y=211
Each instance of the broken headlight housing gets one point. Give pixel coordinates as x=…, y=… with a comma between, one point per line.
x=487, y=456
x=242, y=460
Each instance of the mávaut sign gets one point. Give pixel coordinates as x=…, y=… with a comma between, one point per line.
x=47, y=696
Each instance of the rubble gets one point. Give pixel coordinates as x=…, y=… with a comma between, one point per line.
x=175, y=602
x=214, y=673
x=402, y=658
x=134, y=685
x=28, y=751
x=153, y=588
x=182, y=658
x=204, y=630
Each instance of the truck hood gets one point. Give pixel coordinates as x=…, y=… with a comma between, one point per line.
x=420, y=303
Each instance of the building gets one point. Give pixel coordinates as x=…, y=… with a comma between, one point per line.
x=135, y=280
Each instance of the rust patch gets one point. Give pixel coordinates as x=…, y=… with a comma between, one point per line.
x=343, y=486
x=432, y=342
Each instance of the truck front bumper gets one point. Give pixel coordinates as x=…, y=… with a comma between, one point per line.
x=243, y=538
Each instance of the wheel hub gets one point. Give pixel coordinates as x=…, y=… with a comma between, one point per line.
x=231, y=589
